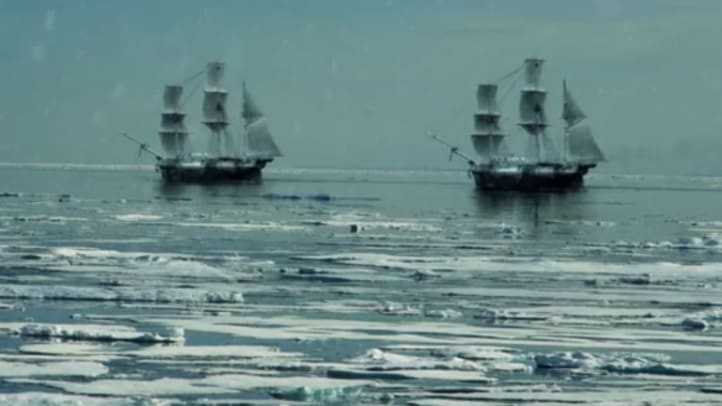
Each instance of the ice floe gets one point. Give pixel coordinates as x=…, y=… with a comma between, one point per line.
x=99, y=333
x=655, y=364
x=68, y=368
x=59, y=399
x=703, y=320
x=138, y=217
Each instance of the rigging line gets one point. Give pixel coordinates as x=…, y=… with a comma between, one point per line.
x=192, y=77
x=510, y=74
x=193, y=91
x=508, y=90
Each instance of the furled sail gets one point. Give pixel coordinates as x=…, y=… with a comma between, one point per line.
x=488, y=138
x=173, y=134
x=259, y=142
x=581, y=146
x=214, y=98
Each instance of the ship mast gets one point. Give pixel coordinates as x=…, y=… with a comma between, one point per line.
x=214, y=106
x=532, y=116
x=173, y=134
x=487, y=137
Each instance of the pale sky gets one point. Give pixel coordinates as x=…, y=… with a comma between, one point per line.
x=351, y=83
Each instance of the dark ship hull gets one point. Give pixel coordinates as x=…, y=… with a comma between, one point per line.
x=208, y=171
x=530, y=177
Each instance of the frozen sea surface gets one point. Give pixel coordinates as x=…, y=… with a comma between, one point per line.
x=357, y=287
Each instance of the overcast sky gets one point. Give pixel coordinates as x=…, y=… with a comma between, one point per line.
x=351, y=83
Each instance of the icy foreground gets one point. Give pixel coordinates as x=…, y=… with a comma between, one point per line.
x=236, y=296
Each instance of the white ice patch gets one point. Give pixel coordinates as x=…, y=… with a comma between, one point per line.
x=218, y=351
x=244, y=226
x=380, y=360
x=70, y=368
x=99, y=333
x=213, y=384
x=138, y=217
x=58, y=399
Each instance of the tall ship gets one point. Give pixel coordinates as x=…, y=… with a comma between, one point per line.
x=543, y=167
x=228, y=158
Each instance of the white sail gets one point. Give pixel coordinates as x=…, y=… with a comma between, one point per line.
x=583, y=148
x=214, y=74
x=171, y=97
x=214, y=98
x=532, y=115
x=487, y=146
x=486, y=98
x=487, y=137
x=214, y=109
x=485, y=123
x=260, y=142
x=173, y=133
x=172, y=122
x=250, y=111
x=572, y=113
x=532, y=72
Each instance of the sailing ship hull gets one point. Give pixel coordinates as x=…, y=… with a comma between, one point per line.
x=530, y=178
x=211, y=171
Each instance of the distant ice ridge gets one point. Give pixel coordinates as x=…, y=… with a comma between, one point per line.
x=455, y=364
x=322, y=395
x=495, y=315
x=401, y=309
x=583, y=362
x=99, y=333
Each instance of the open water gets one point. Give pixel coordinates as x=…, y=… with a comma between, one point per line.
x=357, y=287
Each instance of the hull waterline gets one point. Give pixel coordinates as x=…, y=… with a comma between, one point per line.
x=211, y=171
x=530, y=178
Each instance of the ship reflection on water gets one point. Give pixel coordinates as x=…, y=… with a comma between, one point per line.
x=185, y=191
x=536, y=212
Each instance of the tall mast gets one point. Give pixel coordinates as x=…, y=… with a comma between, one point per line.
x=214, y=104
x=173, y=134
x=532, y=116
x=487, y=137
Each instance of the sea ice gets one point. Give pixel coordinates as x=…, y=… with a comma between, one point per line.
x=67, y=368
x=58, y=399
x=618, y=363
x=98, y=333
